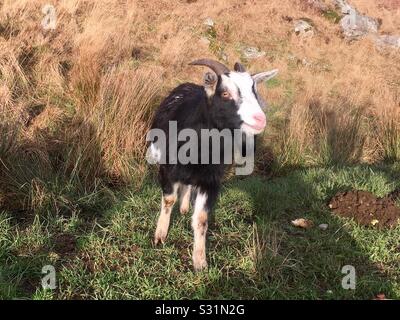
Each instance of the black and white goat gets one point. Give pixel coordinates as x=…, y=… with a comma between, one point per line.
x=229, y=100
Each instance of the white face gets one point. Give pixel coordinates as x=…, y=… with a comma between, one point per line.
x=242, y=89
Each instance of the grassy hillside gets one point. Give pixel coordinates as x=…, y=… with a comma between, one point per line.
x=76, y=192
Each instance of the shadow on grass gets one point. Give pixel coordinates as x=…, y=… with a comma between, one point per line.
x=293, y=263
x=253, y=250
x=50, y=195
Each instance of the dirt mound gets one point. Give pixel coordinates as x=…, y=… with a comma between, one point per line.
x=367, y=209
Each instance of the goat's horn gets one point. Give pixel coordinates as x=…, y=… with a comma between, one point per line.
x=239, y=67
x=215, y=66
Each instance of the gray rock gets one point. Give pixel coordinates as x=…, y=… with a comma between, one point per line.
x=354, y=24
x=323, y=226
x=252, y=53
x=388, y=41
x=344, y=6
x=303, y=28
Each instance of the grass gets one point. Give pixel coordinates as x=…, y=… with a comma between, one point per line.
x=253, y=250
x=75, y=191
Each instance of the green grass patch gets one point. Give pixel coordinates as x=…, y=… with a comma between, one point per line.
x=253, y=250
x=273, y=83
x=332, y=16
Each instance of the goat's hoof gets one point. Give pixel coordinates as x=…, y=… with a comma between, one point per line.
x=184, y=210
x=160, y=237
x=200, y=265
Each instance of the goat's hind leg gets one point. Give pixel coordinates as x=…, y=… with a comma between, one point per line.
x=167, y=203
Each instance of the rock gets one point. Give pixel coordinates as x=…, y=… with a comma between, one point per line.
x=354, y=24
x=209, y=22
x=303, y=28
x=252, y=53
x=323, y=226
x=385, y=41
x=344, y=6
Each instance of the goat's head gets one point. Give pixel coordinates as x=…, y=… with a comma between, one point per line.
x=234, y=97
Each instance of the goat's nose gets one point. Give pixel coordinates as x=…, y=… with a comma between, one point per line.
x=260, y=119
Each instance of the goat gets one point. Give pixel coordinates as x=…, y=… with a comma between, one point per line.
x=228, y=100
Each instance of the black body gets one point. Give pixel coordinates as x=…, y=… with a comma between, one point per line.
x=188, y=104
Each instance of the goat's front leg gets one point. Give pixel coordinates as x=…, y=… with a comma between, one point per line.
x=202, y=208
x=167, y=203
x=185, y=198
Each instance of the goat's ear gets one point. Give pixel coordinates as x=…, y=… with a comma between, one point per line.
x=210, y=81
x=267, y=75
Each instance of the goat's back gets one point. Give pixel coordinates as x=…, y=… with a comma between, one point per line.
x=185, y=105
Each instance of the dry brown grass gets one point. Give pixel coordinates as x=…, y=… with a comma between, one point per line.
x=79, y=99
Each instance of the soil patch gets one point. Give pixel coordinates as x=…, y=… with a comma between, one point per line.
x=366, y=208
x=65, y=244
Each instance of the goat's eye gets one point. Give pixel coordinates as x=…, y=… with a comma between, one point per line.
x=226, y=95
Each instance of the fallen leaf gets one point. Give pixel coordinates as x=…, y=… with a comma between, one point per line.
x=374, y=222
x=302, y=223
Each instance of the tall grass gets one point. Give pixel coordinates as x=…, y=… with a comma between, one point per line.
x=74, y=107
x=122, y=115
x=76, y=101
